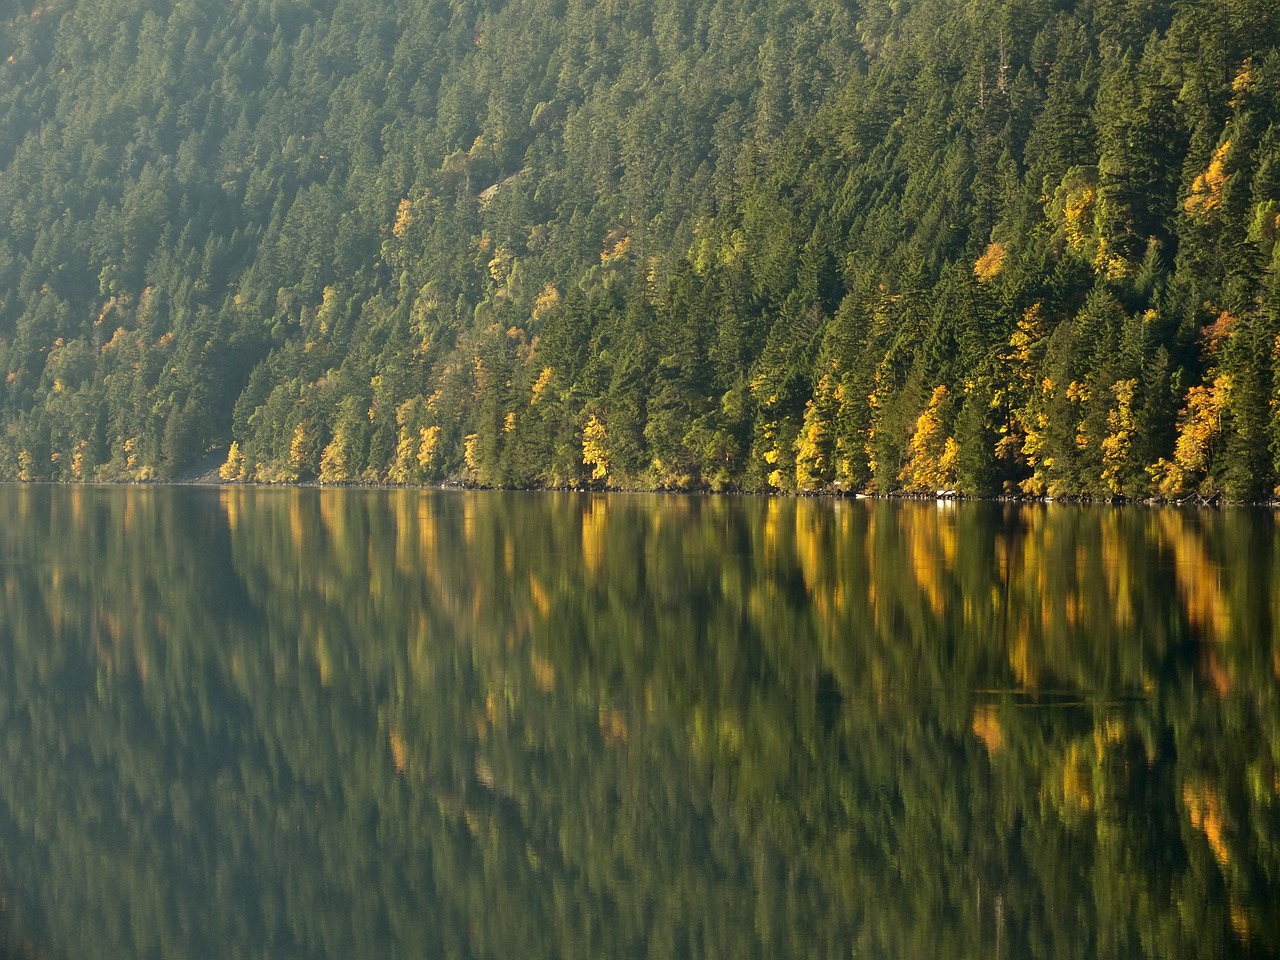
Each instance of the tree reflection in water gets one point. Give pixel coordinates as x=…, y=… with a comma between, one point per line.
x=353, y=723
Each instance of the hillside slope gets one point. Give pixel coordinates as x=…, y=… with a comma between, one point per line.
x=1024, y=245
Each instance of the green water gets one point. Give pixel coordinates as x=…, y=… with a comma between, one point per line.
x=303, y=723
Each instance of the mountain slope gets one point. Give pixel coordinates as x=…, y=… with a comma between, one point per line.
x=1005, y=246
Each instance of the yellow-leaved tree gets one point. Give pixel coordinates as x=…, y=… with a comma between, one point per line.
x=300, y=450
x=1208, y=188
x=334, y=465
x=815, y=444
x=1118, y=443
x=233, y=469
x=989, y=265
x=595, y=452
x=1022, y=359
x=933, y=454
x=1199, y=429
x=339, y=459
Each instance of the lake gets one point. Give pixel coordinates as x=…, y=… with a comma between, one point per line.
x=348, y=723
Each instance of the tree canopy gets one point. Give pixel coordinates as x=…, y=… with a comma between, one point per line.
x=1002, y=246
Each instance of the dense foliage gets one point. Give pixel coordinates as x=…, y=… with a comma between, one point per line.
x=351, y=724
x=1006, y=245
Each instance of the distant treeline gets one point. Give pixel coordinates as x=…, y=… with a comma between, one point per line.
x=1019, y=246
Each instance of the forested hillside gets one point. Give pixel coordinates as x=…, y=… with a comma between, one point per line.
x=1003, y=245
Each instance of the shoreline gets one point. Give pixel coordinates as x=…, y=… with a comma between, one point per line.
x=205, y=473
x=211, y=479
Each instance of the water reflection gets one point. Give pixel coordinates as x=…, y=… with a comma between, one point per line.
x=355, y=723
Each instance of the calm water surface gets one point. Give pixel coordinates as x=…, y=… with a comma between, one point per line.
x=350, y=724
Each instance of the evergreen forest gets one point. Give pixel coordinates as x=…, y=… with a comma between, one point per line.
x=1020, y=247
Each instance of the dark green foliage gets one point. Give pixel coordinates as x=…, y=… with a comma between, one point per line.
x=347, y=224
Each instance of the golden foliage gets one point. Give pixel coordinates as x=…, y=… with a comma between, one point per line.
x=1199, y=425
x=404, y=219
x=811, y=458
x=933, y=454
x=130, y=451
x=990, y=263
x=813, y=444
x=1242, y=83
x=540, y=385
x=545, y=301
x=500, y=265
x=300, y=446
x=233, y=469
x=1029, y=333
x=1035, y=422
x=401, y=467
x=1078, y=392
x=1077, y=207
x=595, y=452
x=1207, y=189
x=470, y=451
x=1077, y=216
x=334, y=467
x=428, y=442
x=616, y=245
x=117, y=341
x=78, y=460
x=1117, y=444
